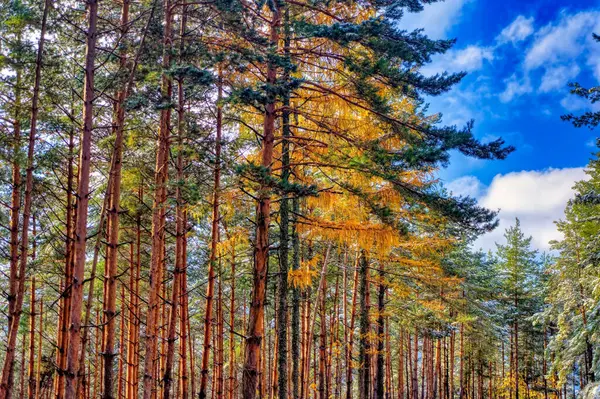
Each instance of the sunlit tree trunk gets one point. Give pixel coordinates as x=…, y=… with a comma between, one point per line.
x=255, y=331
x=6, y=383
x=210, y=288
x=158, y=212
x=364, y=354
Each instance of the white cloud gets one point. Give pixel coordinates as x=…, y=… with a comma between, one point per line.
x=466, y=186
x=437, y=19
x=537, y=198
x=573, y=103
x=519, y=30
x=468, y=59
x=562, y=41
x=558, y=77
x=515, y=87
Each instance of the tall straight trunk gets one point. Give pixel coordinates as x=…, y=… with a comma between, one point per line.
x=437, y=380
x=219, y=337
x=158, y=212
x=91, y=286
x=214, y=241
x=65, y=300
x=364, y=356
x=6, y=383
x=350, y=337
x=380, y=372
x=133, y=328
x=184, y=342
x=254, y=334
x=32, y=315
x=401, y=365
x=452, y=360
x=122, y=357
x=180, y=266
x=516, y=357
x=461, y=374
x=15, y=201
x=232, y=310
x=295, y=345
x=39, y=351
x=322, y=343
x=415, y=366
x=82, y=205
x=282, y=305
x=110, y=275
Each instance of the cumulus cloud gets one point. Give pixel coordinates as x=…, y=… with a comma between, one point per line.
x=515, y=87
x=558, y=77
x=468, y=59
x=537, y=198
x=562, y=41
x=437, y=19
x=519, y=30
x=551, y=60
x=466, y=186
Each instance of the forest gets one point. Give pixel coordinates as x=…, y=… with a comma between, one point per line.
x=242, y=199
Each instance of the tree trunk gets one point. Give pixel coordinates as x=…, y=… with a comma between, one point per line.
x=350, y=338
x=255, y=330
x=296, y=353
x=380, y=373
x=210, y=288
x=364, y=356
x=110, y=275
x=158, y=212
x=6, y=383
x=282, y=305
x=180, y=266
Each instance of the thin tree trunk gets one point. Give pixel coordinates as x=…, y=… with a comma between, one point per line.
x=184, y=342
x=364, y=357
x=282, y=315
x=180, y=266
x=32, y=314
x=350, y=338
x=296, y=350
x=110, y=277
x=6, y=383
x=380, y=372
x=210, y=288
x=158, y=213
x=255, y=330
x=15, y=202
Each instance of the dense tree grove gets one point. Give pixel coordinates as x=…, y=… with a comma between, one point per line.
x=237, y=198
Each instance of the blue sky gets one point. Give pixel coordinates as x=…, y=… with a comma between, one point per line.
x=520, y=56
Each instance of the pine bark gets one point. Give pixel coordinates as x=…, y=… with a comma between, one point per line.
x=255, y=332
x=158, y=213
x=6, y=383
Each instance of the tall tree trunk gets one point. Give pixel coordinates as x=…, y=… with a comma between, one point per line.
x=232, y=310
x=82, y=205
x=255, y=330
x=180, y=266
x=295, y=345
x=15, y=202
x=282, y=305
x=210, y=288
x=185, y=341
x=322, y=343
x=401, y=365
x=111, y=269
x=380, y=373
x=39, y=351
x=6, y=383
x=219, y=337
x=350, y=337
x=364, y=356
x=158, y=212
